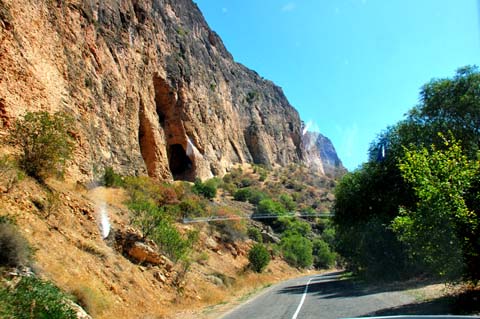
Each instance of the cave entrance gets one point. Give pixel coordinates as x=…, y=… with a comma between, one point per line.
x=169, y=111
x=180, y=164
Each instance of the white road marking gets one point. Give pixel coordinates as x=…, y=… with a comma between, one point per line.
x=302, y=300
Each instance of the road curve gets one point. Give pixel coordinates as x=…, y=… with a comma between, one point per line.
x=319, y=296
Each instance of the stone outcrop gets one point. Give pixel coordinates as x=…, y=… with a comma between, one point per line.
x=152, y=87
x=320, y=155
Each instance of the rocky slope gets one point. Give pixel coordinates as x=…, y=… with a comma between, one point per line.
x=152, y=87
x=320, y=154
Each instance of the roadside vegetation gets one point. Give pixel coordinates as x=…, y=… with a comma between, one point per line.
x=413, y=208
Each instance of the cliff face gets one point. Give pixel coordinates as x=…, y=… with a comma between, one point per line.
x=320, y=155
x=152, y=88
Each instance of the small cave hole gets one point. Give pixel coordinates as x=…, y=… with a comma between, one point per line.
x=181, y=165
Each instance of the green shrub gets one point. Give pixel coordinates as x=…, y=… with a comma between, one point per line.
x=171, y=242
x=146, y=216
x=14, y=249
x=254, y=234
x=297, y=250
x=288, y=202
x=291, y=225
x=245, y=182
x=258, y=257
x=270, y=207
x=34, y=298
x=242, y=195
x=44, y=142
x=323, y=257
x=192, y=206
x=256, y=196
x=9, y=173
x=207, y=189
x=112, y=179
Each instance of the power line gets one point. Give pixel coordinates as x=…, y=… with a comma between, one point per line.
x=253, y=216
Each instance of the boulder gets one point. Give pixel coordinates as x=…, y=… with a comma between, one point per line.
x=141, y=252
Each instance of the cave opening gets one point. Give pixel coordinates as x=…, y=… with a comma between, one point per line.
x=168, y=108
x=180, y=164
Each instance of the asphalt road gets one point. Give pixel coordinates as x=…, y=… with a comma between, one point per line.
x=320, y=296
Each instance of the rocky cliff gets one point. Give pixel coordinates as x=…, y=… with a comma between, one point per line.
x=320, y=155
x=152, y=87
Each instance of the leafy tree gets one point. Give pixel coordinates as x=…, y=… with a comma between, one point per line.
x=297, y=250
x=369, y=199
x=258, y=257
x=441, y=228
x=44, y=141
x=323, y=257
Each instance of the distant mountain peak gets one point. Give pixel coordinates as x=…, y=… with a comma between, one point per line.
x=320, y=154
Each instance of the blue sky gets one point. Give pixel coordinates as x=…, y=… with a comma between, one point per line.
x=350, y=67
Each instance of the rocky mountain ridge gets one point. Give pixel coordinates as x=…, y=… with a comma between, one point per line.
x=320, y=154
x=151, y=86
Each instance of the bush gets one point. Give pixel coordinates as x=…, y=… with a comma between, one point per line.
x=290, y=226
x=44, y=142
x=258, y=257
x=297, y=250
x=34, y=298
x=254, y=234
x=111, y=179
x=288, y=202
x=9, y=173
x=207, y=189
x=242, y=195
x=270, y=207
x=171, y=242
x=192, y=206
x=14, y=249
x=323, y=257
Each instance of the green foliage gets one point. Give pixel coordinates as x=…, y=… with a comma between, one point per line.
x=14, y=249
x=289, y=226
x=146, y=216
x=323, y=257
x=44, y=142
x=435, y=201
x=297, y=250
x=441, y=228
x=111, y=179
x=171, y=242
x=34, y=298
x=207, y=189
x=288, y=202
x=270, y=207
x=193, y=206
x=254, y=234
x=258, y=257
x=252, y=195
x=242, y=195
x=9, y=172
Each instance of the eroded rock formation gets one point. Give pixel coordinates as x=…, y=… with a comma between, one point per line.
x=320, y=155
x=152, y=87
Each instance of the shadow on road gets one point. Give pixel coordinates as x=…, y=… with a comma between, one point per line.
x=333, y=285
x=465, y=303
